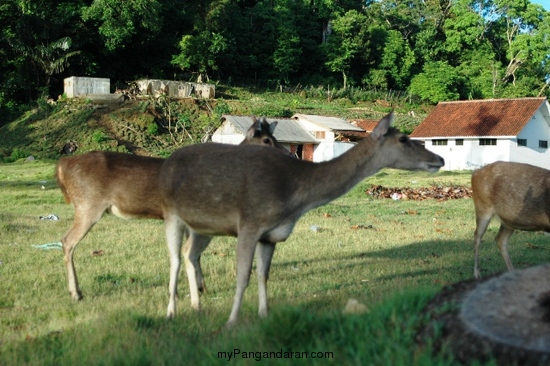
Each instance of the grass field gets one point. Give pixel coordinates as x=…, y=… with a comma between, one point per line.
x=391, y=256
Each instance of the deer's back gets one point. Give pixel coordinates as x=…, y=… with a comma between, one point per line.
x=228, y=184
x=124, y=182
x=519, y=194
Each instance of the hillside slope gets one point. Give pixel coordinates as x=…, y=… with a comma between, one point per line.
x=131, y=126
x=157, y=127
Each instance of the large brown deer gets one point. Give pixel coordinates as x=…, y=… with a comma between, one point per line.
x=258, y=195
x=518, y=194
x=122, y=184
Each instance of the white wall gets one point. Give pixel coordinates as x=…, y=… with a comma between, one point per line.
x=470, y=155
x=325, y=149
x=537, y=129
x=227, y=134
x=75, y=86
x=342, y=147
x=329, y=150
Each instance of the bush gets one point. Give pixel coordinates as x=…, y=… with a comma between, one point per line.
x=99, y=136
x=16, y=154
x=153, y=128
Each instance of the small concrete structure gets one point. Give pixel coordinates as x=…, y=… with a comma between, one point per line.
x=176, y=89
x=76, y=86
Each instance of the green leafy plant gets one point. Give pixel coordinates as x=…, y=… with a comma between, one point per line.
x=153, y=129
x=17, y=154
x=99, y=136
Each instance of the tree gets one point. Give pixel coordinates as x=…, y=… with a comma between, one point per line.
x=51, y=58
x=393, y=57
x=288, y=51
x=345, y=43
x=198, y=53
x=438, y=81
x=37, y=39
x=521, y=29
x=118, y=21
x=286, y=58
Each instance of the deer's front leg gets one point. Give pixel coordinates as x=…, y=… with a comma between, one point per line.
x=194, y=246
x=264, y=255
x=246, y=245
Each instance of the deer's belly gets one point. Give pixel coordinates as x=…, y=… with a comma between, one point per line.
x=278, y=234
x=533, y=224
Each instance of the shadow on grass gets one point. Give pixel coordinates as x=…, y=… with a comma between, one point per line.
x=289, y=335
x=424, y=250
x=13, y=223
x=457, y=256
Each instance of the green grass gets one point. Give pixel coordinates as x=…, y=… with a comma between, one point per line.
x=410, y=251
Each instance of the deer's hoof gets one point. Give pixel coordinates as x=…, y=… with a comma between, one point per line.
x=202, y=288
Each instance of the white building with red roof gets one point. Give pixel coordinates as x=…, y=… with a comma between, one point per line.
x=474, y=133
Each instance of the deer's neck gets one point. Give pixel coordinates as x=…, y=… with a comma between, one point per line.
x=329, y=180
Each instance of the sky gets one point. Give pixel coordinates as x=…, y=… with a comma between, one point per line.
x=544, y=3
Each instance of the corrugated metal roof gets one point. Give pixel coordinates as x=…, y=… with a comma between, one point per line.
x=287, y=130
x=241, y=123
x=290, y=131
x=331, y=123
x=491, y=117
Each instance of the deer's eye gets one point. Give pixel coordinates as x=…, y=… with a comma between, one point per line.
x=267, y=141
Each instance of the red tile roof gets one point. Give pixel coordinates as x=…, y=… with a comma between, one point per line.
x=491, y=117
x=366, y=124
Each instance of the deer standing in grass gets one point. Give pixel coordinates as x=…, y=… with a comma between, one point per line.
x=125, y=185
x=518, y=194
x=258, y=195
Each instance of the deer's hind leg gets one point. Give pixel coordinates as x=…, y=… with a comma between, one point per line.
x=482, y=222
x=84, y=220
x=175, y=229
x=502, y=238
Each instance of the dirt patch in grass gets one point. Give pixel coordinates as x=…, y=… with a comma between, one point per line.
x=418, y=194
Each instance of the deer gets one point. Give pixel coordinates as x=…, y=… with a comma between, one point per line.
x=258, y=196
x=125, y=185
x=518, y=194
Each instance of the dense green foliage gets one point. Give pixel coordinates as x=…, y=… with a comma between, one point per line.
x=451, y=49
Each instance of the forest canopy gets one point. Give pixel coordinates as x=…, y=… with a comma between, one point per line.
x=435, y=49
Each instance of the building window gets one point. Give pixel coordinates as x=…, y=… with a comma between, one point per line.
x=439, y=142
x=485, y=142
x=522, y=142
x=459, y=142
x=320, y=135
x=543, y=144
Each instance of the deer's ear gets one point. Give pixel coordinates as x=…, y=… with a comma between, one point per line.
x=272, y=126
x=256, y=125
x=383, y=126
